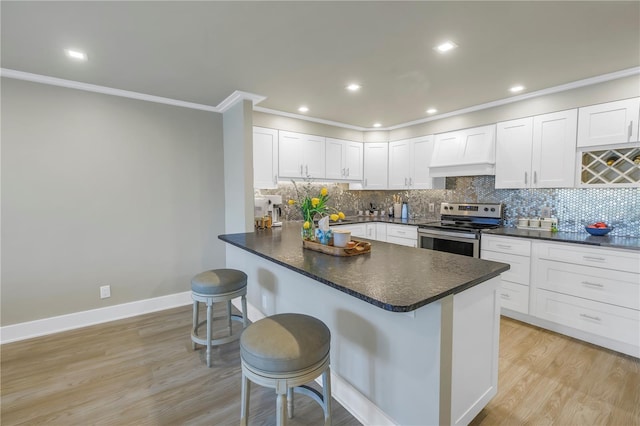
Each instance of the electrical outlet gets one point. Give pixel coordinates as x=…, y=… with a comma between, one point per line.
x=432, y=207
x=105, y=291
x=545, y=212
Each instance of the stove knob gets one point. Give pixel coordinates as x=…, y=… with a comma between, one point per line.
x=486, y=209
x=493, y=209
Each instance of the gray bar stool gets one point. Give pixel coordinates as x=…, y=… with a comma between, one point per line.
x=284, y=352
x=218, y=285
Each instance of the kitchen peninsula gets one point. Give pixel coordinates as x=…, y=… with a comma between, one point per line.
x=414, y=332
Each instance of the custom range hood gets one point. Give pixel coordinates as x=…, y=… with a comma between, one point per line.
x=468, y=152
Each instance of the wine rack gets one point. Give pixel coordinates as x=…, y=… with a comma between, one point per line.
x=613, y=167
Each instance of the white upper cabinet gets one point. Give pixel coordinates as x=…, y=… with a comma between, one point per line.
x=409, y=161
x=301, y=156
x=265, y=158
x=343, y=159
x=537, y=152
x=375, y=172
x=612, y=123
x=467, y=152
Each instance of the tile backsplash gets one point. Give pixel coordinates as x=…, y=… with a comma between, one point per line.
x=574, y=208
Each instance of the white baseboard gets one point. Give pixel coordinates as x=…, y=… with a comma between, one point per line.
x=41, y=327
x=360, y=407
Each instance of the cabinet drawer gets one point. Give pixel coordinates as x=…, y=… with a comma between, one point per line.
x=402, y=231
x=602, y=285
x=358, y=230
x=619, y=260
x=519, y=246
x=514, y=296
x=601, y=319
x=520, y=266
x=409, y=242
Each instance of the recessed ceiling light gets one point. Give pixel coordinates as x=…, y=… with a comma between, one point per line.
x=446, y=46
x=516, y=89
x=377, y=125
x=76, y=54
x=353, y=87
x=303, y=109
x=432, y=111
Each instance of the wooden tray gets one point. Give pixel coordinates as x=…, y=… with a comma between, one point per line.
x=338, y=251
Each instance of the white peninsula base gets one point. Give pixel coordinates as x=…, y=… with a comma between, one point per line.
x=433, y=366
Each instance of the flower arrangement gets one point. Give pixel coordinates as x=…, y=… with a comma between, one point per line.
x=311, y=206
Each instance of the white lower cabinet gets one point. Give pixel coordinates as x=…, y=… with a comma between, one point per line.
x=514, y=294
x=587, y=292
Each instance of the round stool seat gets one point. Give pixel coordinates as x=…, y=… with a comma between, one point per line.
x=285, y=343
x=218, y=281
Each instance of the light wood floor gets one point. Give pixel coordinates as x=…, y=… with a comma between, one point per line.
x=142, y=371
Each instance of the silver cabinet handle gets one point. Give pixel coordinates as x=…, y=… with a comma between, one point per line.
x=535, y=177
x=525, y=178
x=630, y=130
x=365, y=183
x=343, y=173
x=591, y=317
x=594, y=259
x=405, y=181
x=306, y=169
x=410, y=181
x=300, y=169
x=504, y=246
x=275, y=178
x=505, y=296
x=588, y=284
x=347, y=171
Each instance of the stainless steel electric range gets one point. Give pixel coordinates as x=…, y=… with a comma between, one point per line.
x=460, y=226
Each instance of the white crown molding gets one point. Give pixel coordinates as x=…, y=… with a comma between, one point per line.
x=313, y=119
x=41, y=327
x=231, y=100
x=556, y=89
x=548, y=91
x=53, y=81
x=238, y=96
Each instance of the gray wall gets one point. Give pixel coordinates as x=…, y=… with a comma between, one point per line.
x=99, y=190
x=302, y=126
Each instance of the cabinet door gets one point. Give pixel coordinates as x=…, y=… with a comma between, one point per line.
x=353, y=160
x=290, y=145
x=422, y=153
x=399, y=164
x=313, y=156
x=335, y=167
x=609, y=123
x=375, y=165
x=381, y=231
x=265, y=158
x=514, y=140
x=554, y=150
x=371, y=231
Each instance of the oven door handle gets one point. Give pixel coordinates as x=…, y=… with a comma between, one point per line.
x=456, y=236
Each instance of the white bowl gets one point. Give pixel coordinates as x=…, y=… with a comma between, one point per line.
x=341, y=237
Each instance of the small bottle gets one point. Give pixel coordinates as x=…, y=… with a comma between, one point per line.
x=405, y=210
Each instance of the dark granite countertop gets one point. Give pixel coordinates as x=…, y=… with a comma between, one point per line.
x=392, y=277
x=629, y=243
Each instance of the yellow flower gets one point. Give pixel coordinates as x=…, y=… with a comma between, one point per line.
x=341, y=215
x=315, y=201
x=334, y=217
x=324, y=192
x=306, y=225
x=292, y=202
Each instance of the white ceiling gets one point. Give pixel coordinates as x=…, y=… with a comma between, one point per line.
x=296, y=53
